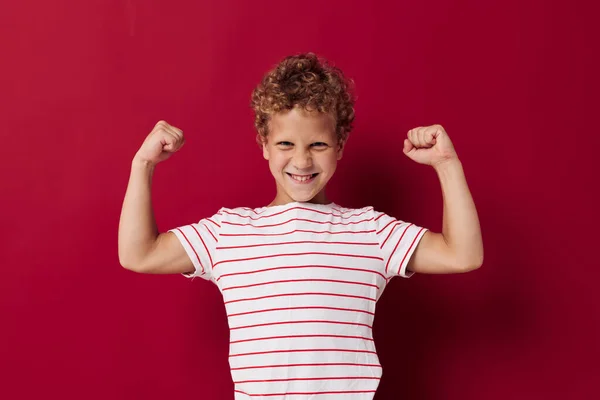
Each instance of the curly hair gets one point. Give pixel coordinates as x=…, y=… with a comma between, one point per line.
x=310, y=82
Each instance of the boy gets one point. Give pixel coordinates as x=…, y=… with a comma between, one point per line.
x=301, y=276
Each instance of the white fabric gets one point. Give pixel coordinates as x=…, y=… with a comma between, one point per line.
x=300, y=282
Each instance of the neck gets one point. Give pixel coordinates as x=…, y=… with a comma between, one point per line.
x=282, y=198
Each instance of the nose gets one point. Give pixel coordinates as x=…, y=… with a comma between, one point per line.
x=302, y=160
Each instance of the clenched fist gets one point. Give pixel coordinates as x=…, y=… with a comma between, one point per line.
x=161, y=143
x=429, y=145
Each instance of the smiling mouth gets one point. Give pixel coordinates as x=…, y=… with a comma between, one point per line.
x=302, y=178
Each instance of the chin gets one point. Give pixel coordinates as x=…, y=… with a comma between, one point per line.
x=300, y=198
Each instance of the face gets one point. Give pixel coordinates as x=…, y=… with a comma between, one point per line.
x=302, y=150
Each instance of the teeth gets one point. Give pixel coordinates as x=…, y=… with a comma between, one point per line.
x=301, y=178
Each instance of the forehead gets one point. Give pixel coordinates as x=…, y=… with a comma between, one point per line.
x=302, y=124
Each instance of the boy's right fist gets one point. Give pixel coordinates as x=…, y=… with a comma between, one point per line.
x=161, y=143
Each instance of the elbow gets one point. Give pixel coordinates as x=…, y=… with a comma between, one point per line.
x=132, y=261
x=131, y=266
x=473, y=266
x=134, y=268
x=471, y=263
x=126, y=265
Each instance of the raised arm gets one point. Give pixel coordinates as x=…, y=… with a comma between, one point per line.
x=459, y=248
x=141, y=247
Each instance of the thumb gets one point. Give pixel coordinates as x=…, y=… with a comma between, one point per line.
x=168, y=144
x=408, y=146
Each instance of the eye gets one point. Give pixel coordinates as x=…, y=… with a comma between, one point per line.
x=319, y=145
x=285, y=144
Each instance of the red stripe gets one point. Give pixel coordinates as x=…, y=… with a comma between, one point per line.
x=297, y=242
x=303, y=351
x=310, y=379
x=298, y=254
x=393, y=251
x=208, y=219
x=303, y=393
x=281, y=212
x=298, y=219
x=306, y=365
x=267, y=208
x=408, y=250
x=193, y=249
x=316, y=321
x=204, y=244
x=294, y=208
x=388, y=224
x=380, y=215
x=301, y=336
x=301, y=294
x=295, y=230
x=389, y=234
x=301, y=266
x=302, y=308
x=211, y=234
x=253, y=210
x=303, y=280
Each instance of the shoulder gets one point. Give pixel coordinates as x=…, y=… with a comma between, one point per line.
x=239, y=215
x=363, y=218
x=367, y=213
x=244, y=212
x=383, y=222
x=352, y=211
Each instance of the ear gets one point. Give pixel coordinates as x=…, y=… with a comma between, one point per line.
x=265, y=148
x=340, y=149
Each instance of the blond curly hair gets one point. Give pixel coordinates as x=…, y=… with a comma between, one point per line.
x=308, y=81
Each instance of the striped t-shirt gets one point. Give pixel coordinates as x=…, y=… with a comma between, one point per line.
x=300, y=282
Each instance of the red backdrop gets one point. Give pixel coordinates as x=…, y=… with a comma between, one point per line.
x=82, y=83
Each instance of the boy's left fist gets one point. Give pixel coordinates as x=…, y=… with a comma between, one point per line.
x=429, y=145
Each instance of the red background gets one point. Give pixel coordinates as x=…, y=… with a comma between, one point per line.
x=514, y=83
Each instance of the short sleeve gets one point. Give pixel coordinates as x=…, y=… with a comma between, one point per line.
x=200, y=241
x=397, y=241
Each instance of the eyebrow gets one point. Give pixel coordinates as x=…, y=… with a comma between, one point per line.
x=311, y=142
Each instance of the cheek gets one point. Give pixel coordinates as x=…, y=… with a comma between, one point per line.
x=277, y=162
x=328, y=162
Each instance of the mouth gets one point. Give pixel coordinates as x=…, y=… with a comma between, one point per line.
x=302, y=179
